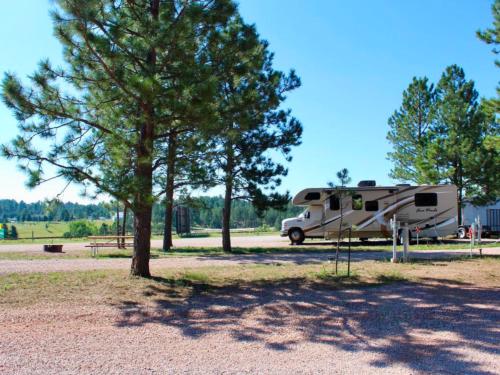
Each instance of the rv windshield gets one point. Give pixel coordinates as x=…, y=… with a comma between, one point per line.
x=304, y=214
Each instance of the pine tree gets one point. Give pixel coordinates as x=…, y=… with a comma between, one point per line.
x=186, y=166
x=460, y=133
x=340, y=193
x=250, y=121
x=410, y=131
x=492, y=107
x=492, y=36
x=133, y=70
x=444, y=135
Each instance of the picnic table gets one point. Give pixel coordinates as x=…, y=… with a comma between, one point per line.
x=118, y=242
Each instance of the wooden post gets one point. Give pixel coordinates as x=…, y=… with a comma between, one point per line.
x=349, y=254
x=472, y=237
x=117, y=224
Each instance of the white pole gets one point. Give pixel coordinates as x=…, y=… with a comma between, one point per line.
x=394, y=240
x=406, y=241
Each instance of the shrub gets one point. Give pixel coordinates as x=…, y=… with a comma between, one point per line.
x=264, y=228
x=104, y=229
x=13, y=232
x=82, y=228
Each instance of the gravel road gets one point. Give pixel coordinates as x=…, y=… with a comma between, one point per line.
x=61, y=264
x=430, y=328
x=237, y=241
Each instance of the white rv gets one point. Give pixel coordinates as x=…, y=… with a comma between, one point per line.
x=429, y=209
x=489, y=215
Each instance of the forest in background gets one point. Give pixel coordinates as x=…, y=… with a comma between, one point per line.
x=206, y=212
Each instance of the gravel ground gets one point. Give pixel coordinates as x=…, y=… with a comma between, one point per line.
x=237, y=241
x=60, y=264
x=394, y=329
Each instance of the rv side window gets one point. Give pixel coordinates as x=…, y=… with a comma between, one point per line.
x=371, y=206
x=312, y=196
x=357, y=202
x=334, y=203
x=426, y=199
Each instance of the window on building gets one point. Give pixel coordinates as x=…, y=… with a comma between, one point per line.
x=426, y=199
x=357, y=202
x=371, y=206
x=312, y=196
x=334, y=203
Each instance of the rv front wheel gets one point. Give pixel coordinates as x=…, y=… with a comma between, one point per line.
x=296, y=236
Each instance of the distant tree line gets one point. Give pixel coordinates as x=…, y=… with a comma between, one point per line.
x=205, y=212
x=49, y=211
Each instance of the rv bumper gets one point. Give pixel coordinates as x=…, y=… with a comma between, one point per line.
x=284, y=233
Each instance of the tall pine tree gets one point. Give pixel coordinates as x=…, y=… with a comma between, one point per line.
x=492, y=36
x=410, y=131
x=250, y=121
x=460, y=133
x=443, y=135
x=132, y=71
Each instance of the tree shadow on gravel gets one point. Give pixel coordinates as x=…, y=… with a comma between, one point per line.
x=422, y=326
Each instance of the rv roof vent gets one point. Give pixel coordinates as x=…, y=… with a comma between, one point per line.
x=366, y=183
x=403, y=185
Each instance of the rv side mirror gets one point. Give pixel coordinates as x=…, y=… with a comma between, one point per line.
x=308, y=215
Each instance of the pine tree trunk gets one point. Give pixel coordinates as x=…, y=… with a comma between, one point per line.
x=143, y=197
x=226, y=211
x=169, y=196
x=124, y=226
x=117, y=224
x=142, y=242
x=226, y=218
x=459, y=205
x=143, y=204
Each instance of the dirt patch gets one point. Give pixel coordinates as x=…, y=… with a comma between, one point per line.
x=432, y=317
x=399, y=329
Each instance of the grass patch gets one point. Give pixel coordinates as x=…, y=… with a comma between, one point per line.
x=390, y=277
x=112, y=287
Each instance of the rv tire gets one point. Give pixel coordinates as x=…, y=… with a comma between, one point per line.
x=296, y=236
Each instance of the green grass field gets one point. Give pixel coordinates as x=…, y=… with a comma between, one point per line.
x=27, y=230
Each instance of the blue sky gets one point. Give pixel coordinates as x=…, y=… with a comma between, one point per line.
x=355, y=58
